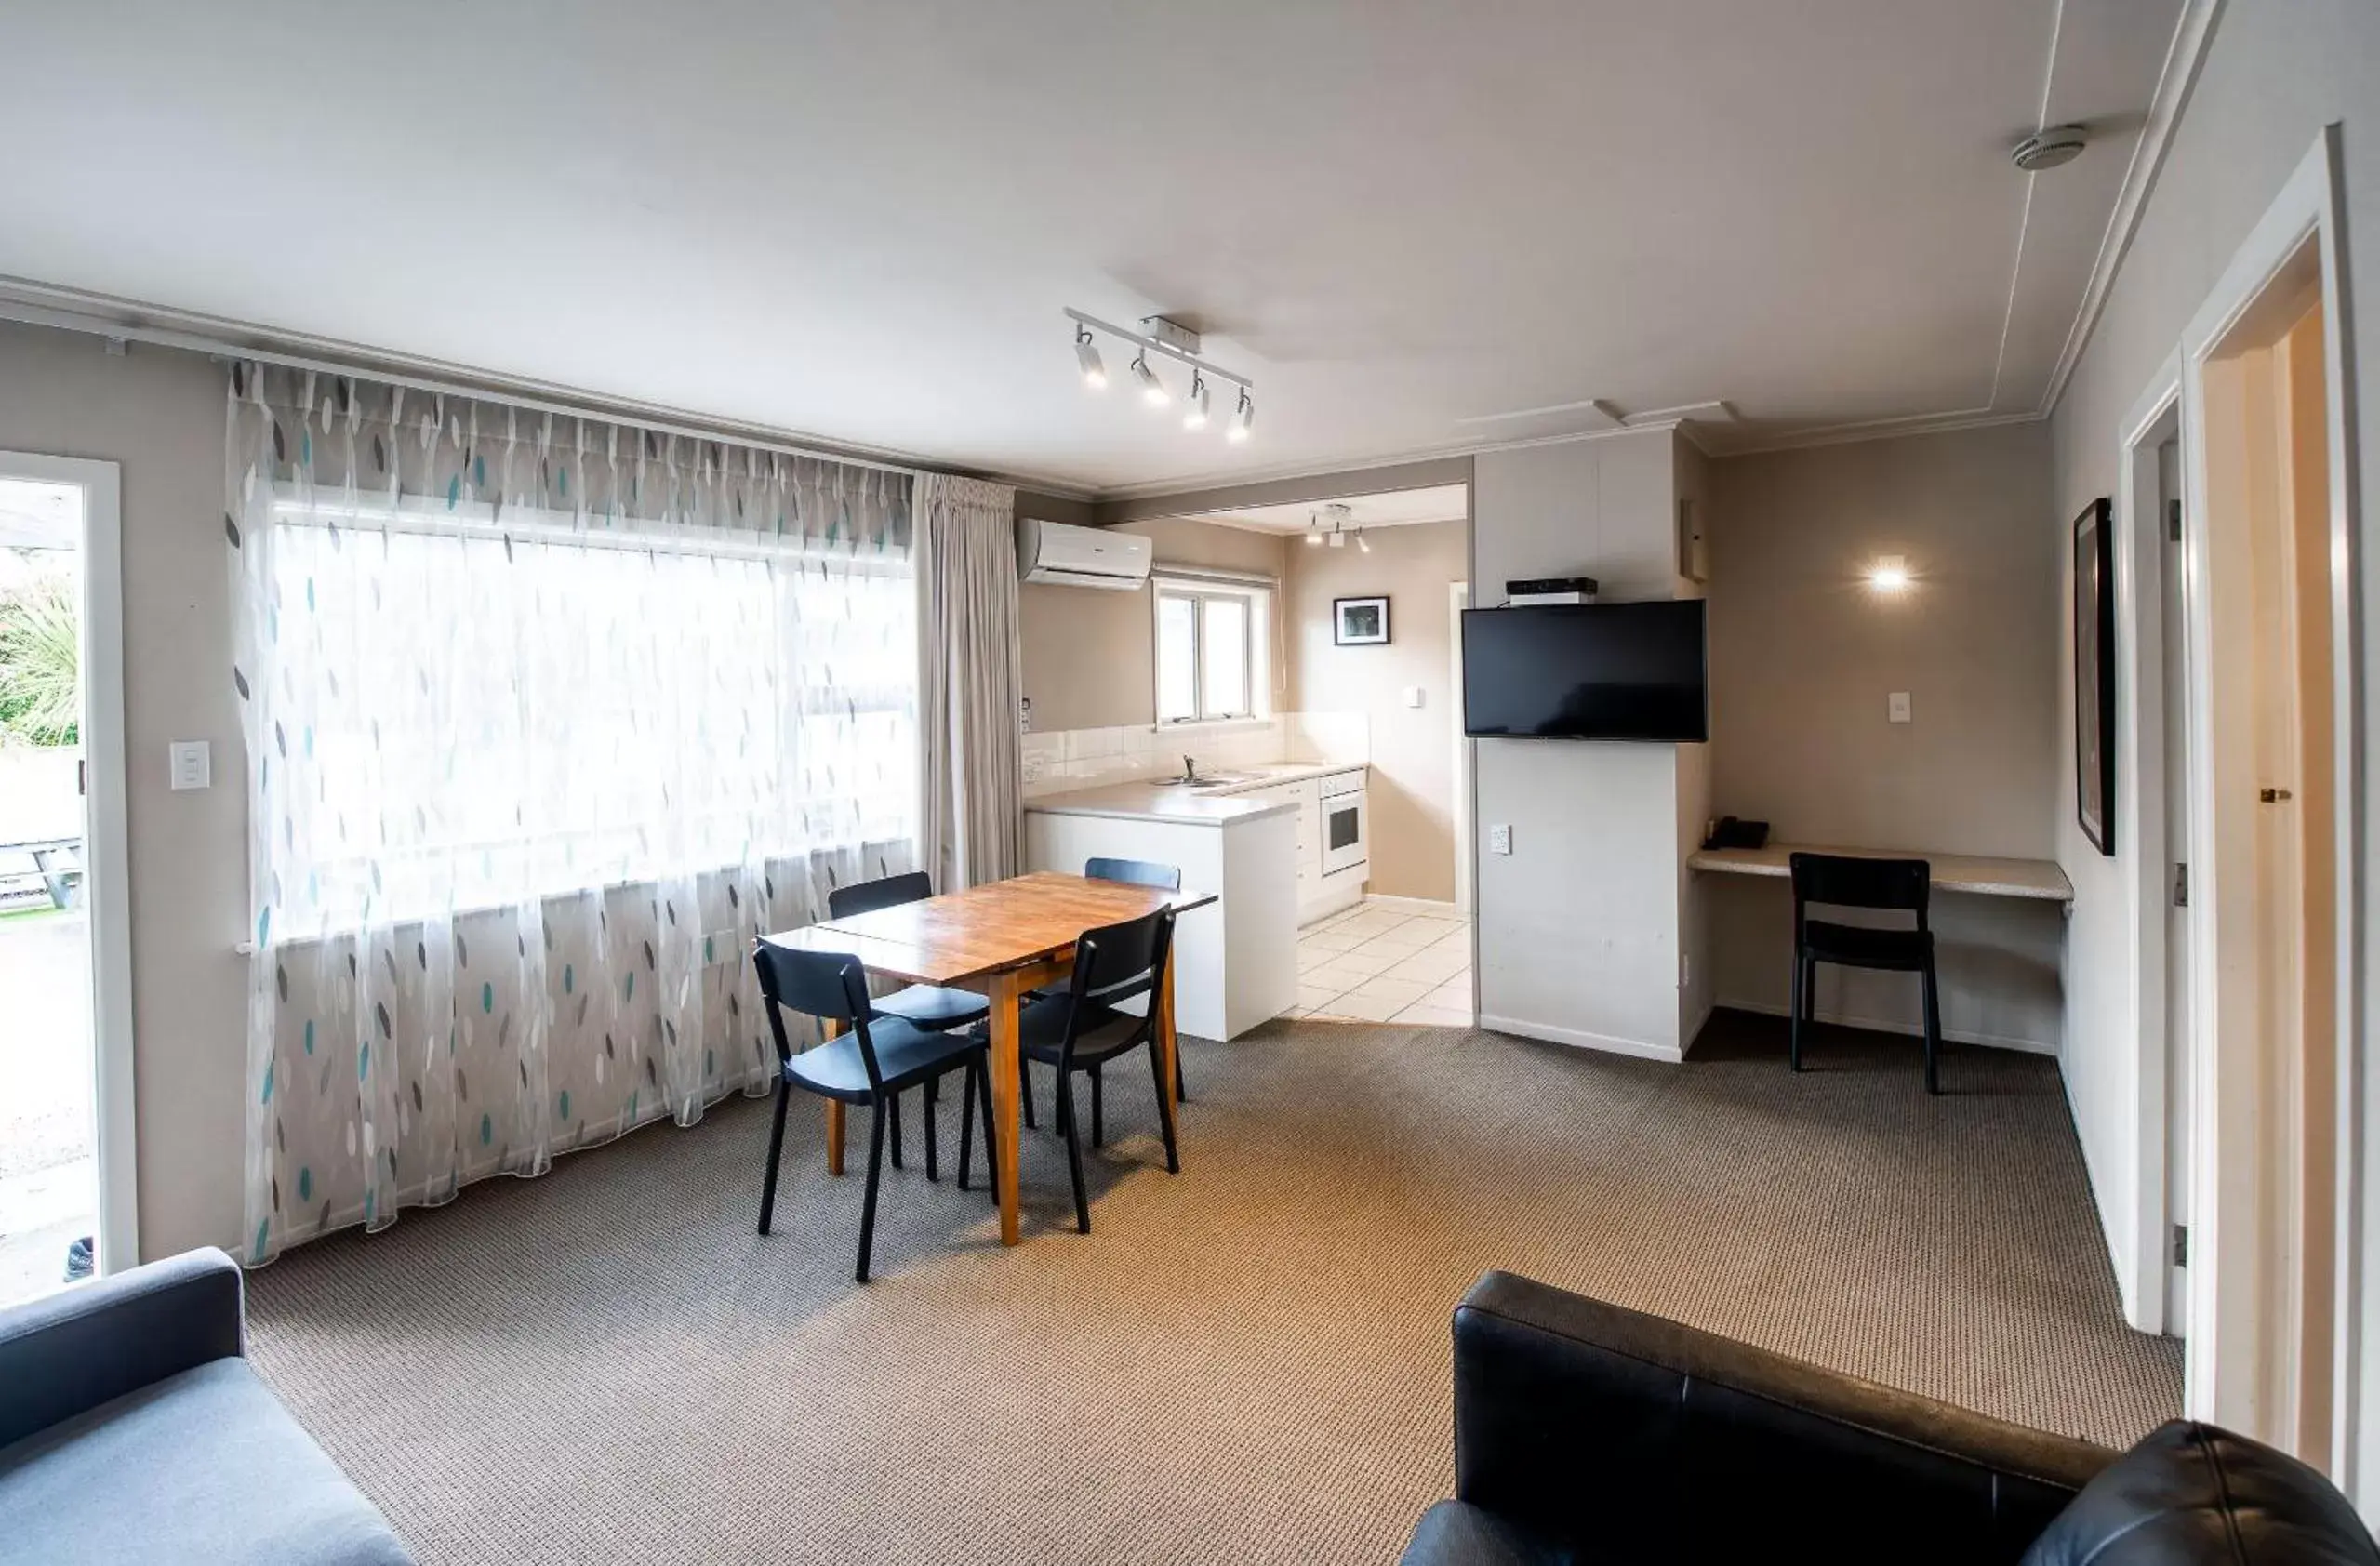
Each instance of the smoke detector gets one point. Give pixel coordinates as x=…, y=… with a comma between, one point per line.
x=2059, y=144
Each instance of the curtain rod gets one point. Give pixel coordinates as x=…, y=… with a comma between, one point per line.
x=21, y=300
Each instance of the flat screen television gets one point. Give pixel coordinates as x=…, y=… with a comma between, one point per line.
x=1586, y=671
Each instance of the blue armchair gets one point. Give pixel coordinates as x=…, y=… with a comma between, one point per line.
x=131, y=1428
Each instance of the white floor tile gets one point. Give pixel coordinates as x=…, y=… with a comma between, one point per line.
x=1400, y=939
x=1371, y=921
x=1457, y=994
x=1312, y=997
x=1360, y=1009
x=1365, y=960
x=1404, y=992
x=1330, y=940
x=1336, y=976
x=1432, y=1017
x=1308, y=961
x=1434, y=966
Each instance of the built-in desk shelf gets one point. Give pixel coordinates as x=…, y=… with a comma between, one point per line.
x=2038, y=879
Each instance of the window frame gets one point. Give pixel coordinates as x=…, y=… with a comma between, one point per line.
x=1255, y=598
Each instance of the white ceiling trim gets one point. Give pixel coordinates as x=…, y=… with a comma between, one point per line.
x=1239, y=478
x=1880, y=430
x=73, y=310
x=2183, y=57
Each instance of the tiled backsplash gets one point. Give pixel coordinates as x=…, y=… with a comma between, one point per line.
x=1067, y=759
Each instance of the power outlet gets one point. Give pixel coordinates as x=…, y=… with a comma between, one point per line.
x=1499, y=840
x=1897, y=708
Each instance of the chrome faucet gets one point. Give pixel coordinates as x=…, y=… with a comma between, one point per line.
x=1189, y=769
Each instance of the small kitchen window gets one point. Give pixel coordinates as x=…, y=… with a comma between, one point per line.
x=1213, y=651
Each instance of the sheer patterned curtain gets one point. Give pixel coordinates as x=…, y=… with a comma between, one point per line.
x=970, y=695
x=546, y=719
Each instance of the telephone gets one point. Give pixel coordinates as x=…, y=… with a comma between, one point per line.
x=1730, y=832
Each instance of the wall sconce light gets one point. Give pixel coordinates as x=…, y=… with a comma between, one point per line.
x=1890, y=574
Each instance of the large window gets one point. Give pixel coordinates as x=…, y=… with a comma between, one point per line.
x=1212, y=644
x=542, y=710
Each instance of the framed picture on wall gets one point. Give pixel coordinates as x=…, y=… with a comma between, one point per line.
x=2095, y=675
x=1359, y=622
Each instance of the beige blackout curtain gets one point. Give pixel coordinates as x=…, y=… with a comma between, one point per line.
x=969, y=710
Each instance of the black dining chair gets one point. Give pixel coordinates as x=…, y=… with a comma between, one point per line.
x=1841, y=881
x=1135, y=873
x=871, y=1062
x=1082, y=1030
x=929, y=1006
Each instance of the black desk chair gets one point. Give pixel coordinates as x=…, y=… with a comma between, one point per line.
x=871, y=1062
x=928, y=1006
x=1846, y=882
x=1081, y=1030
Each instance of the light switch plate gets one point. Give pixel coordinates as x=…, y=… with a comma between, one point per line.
x=189, y=765
x=1897, y=707
x=1413, y=696
x=1499, y=840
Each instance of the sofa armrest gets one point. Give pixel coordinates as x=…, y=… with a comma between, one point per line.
x=69, y=1352
x=1585, y=1422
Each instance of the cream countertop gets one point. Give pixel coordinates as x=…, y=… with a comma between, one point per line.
x=1184, y=805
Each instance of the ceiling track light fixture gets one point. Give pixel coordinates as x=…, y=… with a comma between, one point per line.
x=1313, y=530
x=1171, y=340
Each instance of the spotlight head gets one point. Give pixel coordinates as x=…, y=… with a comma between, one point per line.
x=1362, y=542
x=1241, y=417
x=1086, y=353
x=1890, y=574
x=1313, y=531
x=1196, y=417
x=1152, y=390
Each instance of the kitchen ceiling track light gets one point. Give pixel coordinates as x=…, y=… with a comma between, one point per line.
x=1168, y=340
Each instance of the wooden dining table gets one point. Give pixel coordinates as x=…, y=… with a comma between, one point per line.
x=999, y=940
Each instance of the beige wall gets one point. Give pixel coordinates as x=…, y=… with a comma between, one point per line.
x=1413, y=749
x=2277, y=73
x=158, y=415
x=1802, y=657
x=1803, y=653
x=1089, y=653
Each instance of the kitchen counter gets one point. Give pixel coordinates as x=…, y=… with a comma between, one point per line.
x=1157, y=801
x=1185, y=806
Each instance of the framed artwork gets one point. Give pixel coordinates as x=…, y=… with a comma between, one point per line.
x=2095, y=675
x=1359, y=622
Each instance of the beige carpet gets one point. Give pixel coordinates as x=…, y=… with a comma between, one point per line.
x=1246, y=1362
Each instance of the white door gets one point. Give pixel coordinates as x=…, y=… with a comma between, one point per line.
x=66, y=1184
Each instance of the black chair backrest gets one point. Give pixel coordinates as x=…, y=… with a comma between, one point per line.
x=1138, y=872
x=1117, y=963
x=867, y=896
x=1849, y=880
x=831, y=985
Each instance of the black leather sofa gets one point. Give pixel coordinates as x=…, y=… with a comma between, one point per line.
x=1586, y=1433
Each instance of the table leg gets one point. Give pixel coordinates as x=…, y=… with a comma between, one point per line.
x=830, y=1028
x=1168, y=1046
x=1006, y=1066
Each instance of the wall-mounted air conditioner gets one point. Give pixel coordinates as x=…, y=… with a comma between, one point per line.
x=1057, y=554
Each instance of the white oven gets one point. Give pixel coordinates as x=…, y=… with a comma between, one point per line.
x=1344, y=830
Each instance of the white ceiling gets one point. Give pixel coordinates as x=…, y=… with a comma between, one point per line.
x=1445, y=503
x=860, y=222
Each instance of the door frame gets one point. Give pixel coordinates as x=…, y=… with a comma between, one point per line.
x=2141, y=565
x=1458, y=598
x=2234, y=1249
x=107, y=878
